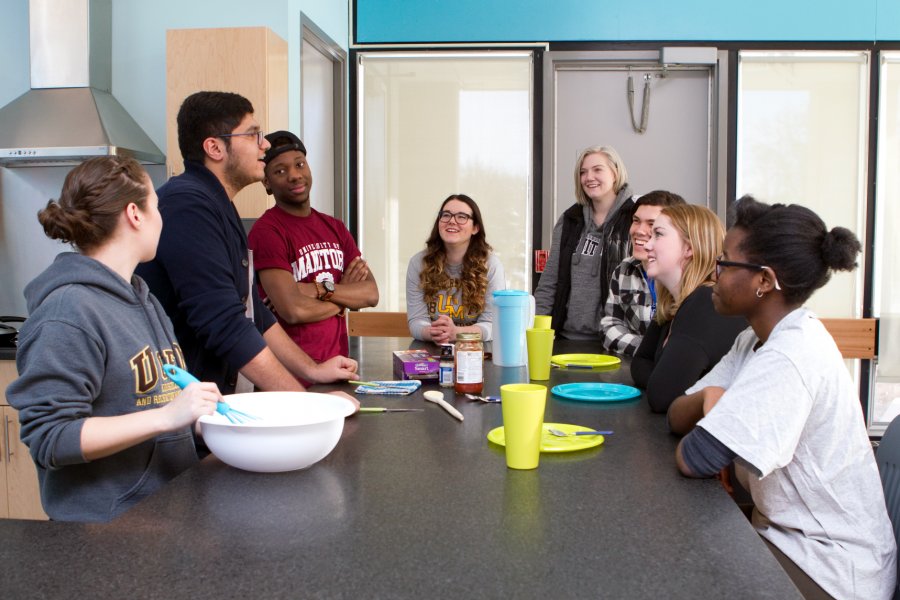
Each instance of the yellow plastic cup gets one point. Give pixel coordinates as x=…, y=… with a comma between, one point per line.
x=523, y=419
x=543, y=321
x=540, y=350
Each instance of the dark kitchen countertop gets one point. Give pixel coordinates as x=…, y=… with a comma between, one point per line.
x=7, y=354
x=420, y=505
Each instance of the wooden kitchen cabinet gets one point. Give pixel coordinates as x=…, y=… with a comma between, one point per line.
x=20, y=496
x=251, y=61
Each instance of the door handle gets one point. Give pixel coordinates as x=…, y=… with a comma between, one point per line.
x=6, y=436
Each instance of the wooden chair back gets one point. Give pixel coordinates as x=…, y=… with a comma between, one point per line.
x=381, y=324
x=855, y=338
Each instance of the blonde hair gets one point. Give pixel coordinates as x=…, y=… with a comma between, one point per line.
x=702, y=230
x=615, y=163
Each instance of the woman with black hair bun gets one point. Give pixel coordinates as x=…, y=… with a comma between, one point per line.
x=781, y=404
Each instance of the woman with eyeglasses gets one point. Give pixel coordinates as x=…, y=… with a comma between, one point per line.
x=687, y=337
x=781, y=404
x=590, y=239
x=450, y=285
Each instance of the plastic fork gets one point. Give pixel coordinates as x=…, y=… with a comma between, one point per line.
x=487, y=399
x=182, y=379
x=560, y=433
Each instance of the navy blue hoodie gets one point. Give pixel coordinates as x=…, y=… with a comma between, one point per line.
x=93, y=346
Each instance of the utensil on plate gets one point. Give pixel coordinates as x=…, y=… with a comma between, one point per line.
x=438, y=398
x=584, y=361
x=380, y=409
x=182, y=379
x=560, y=433
x=487, y=399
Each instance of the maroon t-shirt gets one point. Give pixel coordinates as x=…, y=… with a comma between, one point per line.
x=313, y=248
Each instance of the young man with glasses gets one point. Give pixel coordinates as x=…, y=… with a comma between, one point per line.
x=309, y=266
x=202, y=272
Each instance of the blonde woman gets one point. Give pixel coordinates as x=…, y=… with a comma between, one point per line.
x=450, y=285
x=590, y=239
x=688, y=337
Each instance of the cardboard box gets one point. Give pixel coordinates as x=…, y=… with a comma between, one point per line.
x=415, y=364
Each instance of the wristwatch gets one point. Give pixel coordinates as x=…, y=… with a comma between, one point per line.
x=328, y=286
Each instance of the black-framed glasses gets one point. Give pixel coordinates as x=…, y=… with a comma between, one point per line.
x=460, y=218
x=260, y=136
x=742, y=265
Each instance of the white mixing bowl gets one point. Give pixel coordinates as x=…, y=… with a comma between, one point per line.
x=295, y=430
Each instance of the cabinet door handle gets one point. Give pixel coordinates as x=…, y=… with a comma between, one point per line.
x=6, y=436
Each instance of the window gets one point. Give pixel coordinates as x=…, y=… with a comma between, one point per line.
x=802, y=139
x=432, y=124
x=886, y=281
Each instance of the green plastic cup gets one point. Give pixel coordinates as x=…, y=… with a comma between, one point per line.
x=543, y=321
x=540, y=350
x=523, y=419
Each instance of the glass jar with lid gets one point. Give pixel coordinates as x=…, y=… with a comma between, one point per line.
x=469, y=363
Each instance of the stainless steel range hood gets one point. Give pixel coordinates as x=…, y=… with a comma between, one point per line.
x=69, y=114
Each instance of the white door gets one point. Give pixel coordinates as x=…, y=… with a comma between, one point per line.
x=322, y=67
x=667, y=135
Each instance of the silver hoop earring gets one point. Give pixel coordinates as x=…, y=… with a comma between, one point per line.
x=759, y=293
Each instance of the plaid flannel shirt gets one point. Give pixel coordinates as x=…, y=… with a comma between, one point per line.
x=628, y=308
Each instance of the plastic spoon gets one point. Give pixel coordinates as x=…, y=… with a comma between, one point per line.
x=438, y=398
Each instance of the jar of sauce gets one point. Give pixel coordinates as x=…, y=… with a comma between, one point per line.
x=469, y=364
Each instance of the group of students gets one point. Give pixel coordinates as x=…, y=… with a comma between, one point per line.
x=721, y=343
x=657, y=278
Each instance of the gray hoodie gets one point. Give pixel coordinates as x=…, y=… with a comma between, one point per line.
x=586, y=269
x=92, y=346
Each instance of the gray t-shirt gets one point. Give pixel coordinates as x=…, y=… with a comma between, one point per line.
x=449, y=302
x=791, y=414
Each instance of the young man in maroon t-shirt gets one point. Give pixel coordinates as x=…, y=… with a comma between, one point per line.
x=307, y=263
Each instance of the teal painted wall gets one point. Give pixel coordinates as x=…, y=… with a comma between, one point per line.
x=139, y=45
x=387, y=21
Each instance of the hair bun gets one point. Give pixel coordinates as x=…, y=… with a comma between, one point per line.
x=840, y=248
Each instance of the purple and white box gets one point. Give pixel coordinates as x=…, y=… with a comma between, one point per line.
x=415, y=364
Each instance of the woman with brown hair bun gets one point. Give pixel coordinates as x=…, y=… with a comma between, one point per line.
x=104, y=425
x=450, y=285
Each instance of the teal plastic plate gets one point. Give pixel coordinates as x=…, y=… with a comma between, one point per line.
x=596, y=392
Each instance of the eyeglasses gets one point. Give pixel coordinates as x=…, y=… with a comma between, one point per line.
x=730, y=263
x=460, y=218
x=260, y=136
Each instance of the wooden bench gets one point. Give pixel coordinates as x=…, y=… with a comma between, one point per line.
x=855, y=338
x=381, y=324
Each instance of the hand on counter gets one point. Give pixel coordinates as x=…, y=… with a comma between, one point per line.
x=336, y=368
x=348, y=397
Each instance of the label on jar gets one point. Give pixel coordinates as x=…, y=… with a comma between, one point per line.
x=468, y=366
x=445, y=374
